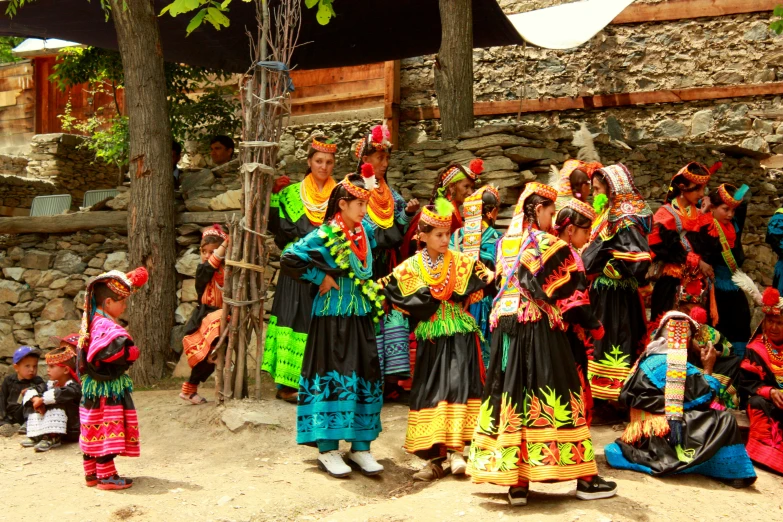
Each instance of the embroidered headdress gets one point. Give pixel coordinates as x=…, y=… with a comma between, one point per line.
x=121, y=284
x=564, y=188
x=456, y=172
x=325, y=145
x=379, y=139
x=625, y=201
x=215, y=230
x=437, y=215
x=363, y=193
x=517, y=222
x=695, y=173
x=473, y=212
x=64, y=357
x=732, y=200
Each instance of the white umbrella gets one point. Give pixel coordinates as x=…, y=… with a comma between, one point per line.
x=568, y=25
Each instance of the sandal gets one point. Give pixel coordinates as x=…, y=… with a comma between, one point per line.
x=193, y=398
x=431, y=471
x=91, y=481
x=290, y=397
x=114, y=482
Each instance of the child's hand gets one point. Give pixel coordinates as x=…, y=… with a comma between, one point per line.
x=38, y=404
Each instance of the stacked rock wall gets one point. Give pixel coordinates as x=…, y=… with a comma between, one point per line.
x=13, y=165
x=515, y=154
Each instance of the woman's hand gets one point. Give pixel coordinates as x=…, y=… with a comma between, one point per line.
x=706, y=269
x=412, y=207
x=708, y=358
x=777, y=398
x=327, y=284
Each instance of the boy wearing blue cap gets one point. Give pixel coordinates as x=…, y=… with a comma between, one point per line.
x=25, y=376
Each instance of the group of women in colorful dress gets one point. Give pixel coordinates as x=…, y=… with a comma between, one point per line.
x=517, y=342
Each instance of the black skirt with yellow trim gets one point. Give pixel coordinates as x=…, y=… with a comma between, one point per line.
x=445, y=396
x=532, y=423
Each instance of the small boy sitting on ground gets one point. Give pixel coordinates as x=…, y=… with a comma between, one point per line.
x=54, y=407
x=12, y=413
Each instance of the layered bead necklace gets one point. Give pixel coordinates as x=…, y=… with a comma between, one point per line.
x=438, y=274
x=356, y=239
x=381, y=205
x=315, y=200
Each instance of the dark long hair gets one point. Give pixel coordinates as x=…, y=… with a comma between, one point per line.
x=529, y=207
x=339, y=193
x=568, y=216
x=488, y=203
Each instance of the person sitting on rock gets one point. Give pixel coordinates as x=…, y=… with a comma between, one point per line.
x=221, y=149
x=203, y=328
x=674, y=427
x=25, y=375
x=55, y=405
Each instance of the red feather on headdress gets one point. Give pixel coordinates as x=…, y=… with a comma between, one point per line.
x=138, y=277
x=377, y=134
x=699, y=314
x=770, y=297
x=694, y=288
x=477, y=166
x=715, y=166
x=367, y=171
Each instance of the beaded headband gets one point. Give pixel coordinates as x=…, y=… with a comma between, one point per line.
x=327, y=147
x=534, y=187
x=699, y=179
x=60, y=357
x=355, y=190
x=379, y=139
x=431, y=217
x=732, y=201
x=451, y=175
x=580, y=207
x=214, y=230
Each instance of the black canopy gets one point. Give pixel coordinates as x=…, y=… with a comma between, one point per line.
x=364, y=31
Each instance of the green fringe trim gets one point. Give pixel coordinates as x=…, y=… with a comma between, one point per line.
x=116, y=389
x=506, y=343
x=450, y=319
x=616, y=284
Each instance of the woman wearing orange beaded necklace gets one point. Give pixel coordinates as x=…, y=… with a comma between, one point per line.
x=388, y=217
x=762, y=378
x=301, y=209
x=433, y=287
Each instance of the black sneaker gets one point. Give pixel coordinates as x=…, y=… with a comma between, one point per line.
x=595, y=489
x=517, y=496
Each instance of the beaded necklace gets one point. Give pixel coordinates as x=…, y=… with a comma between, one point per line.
x=433, y=266
x=315, y=200
x=381, y=205
x=356, y=238
x=441, y=283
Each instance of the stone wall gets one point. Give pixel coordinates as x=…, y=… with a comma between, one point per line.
x=59, y=159
x=515, y=154
x=13, y=165
x=16, y=192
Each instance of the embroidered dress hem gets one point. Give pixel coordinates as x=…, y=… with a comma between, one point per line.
x=198, y=344
x=283, y=353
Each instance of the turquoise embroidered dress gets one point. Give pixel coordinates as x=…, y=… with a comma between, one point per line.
x=341, y=386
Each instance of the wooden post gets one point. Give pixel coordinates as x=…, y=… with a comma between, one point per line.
x=391, y=99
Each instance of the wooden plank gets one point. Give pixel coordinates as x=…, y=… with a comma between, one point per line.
x=18, y=111
x=345, y=105
x=685, y=9
x=391, y=100
x=374, y=85
x=604, y=100
x=92, y=220
x=24, y=68
x=327, y=98
x=337, y=75
x=19, y=82
x=17, y=126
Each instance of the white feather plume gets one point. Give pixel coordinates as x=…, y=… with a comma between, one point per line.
x=743, y=280
x=583, y=139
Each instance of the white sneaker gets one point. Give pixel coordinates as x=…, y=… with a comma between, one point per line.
x=456, y=463
x=366, y=462
x=332, y=462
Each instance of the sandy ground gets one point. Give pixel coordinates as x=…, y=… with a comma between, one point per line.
x=192, y=469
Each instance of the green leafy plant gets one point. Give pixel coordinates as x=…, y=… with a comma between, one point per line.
x=777, y=25
x=7, y=43
x=211, y=110
x=214, y=13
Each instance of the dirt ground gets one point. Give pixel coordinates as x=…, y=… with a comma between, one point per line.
x=194, y=469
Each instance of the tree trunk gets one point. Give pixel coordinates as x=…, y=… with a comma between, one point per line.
x=454, y=67
x=151, y=234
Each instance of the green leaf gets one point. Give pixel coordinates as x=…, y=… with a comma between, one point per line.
x=217, y=18
x=778, y=11
x=178, y=7
x=325, y=13
x=196, y=21
x=310, y=3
